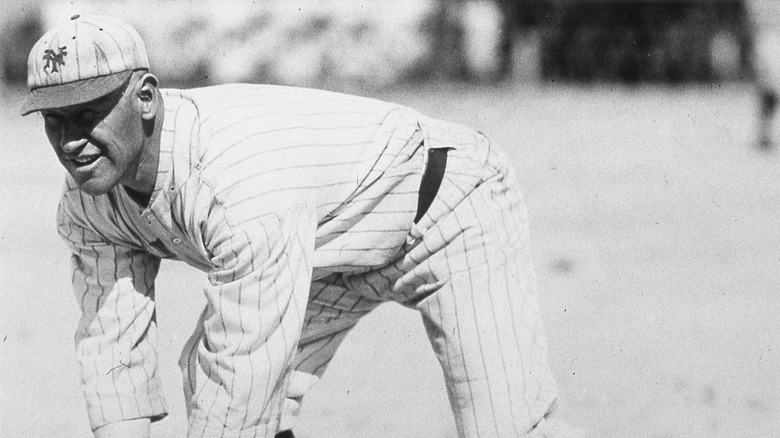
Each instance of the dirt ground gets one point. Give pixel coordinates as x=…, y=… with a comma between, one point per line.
x=657, y=247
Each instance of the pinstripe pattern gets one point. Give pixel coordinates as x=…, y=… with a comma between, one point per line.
x=299, y=205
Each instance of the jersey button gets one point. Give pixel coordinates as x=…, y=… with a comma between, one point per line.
x=176, y=240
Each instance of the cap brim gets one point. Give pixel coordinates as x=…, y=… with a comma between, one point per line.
x=73, y=93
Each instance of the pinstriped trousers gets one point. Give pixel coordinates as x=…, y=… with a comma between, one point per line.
x=466, y=267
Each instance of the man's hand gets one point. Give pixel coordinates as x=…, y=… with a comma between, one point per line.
x=138, y=428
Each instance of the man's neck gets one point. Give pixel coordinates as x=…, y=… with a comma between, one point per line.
x=146, y=174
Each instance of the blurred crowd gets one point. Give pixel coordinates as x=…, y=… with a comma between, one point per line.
x=390, y=41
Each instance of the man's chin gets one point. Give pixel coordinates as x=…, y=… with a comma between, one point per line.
x=94, y=188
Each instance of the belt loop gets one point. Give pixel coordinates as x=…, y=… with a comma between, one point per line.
x=431, y=180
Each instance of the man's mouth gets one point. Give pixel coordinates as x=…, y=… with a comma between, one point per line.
x=85, y=160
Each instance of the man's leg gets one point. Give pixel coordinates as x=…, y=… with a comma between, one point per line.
x=472, y=279
x=333, y=310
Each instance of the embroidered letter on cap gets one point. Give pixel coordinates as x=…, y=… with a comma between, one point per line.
x=55, y=59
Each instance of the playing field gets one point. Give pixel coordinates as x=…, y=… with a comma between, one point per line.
x=657, y=243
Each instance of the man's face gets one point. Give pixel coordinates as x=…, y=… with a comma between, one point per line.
x=99, y=142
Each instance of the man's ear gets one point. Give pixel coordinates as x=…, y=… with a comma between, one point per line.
x=150, y=99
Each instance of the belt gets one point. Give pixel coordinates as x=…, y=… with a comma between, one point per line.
x=431, y=180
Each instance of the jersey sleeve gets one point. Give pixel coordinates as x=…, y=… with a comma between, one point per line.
x=256, y=296
x=117, y=333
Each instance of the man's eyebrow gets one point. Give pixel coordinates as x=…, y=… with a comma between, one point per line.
x=109, y=99
x=102, y=102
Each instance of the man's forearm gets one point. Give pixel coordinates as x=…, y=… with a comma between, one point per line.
x=137, y=428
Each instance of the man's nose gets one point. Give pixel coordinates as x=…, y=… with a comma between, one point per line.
x=72, y=138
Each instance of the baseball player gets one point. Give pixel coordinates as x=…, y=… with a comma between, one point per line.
x=306, y=209
x=764, y=17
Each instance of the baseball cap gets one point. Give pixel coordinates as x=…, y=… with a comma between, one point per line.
x=86, y=58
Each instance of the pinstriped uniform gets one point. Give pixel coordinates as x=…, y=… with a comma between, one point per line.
x=299, y=204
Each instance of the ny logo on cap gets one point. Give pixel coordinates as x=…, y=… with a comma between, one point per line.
x=55, y=59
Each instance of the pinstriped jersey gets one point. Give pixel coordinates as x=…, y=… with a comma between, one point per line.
x=264, y=188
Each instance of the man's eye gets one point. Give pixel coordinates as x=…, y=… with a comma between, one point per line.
x=52, y=119
x=89, y=115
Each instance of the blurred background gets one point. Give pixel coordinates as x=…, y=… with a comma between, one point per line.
x=633, y=124
x=393, y=41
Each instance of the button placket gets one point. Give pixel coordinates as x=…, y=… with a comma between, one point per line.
x=175, y=245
